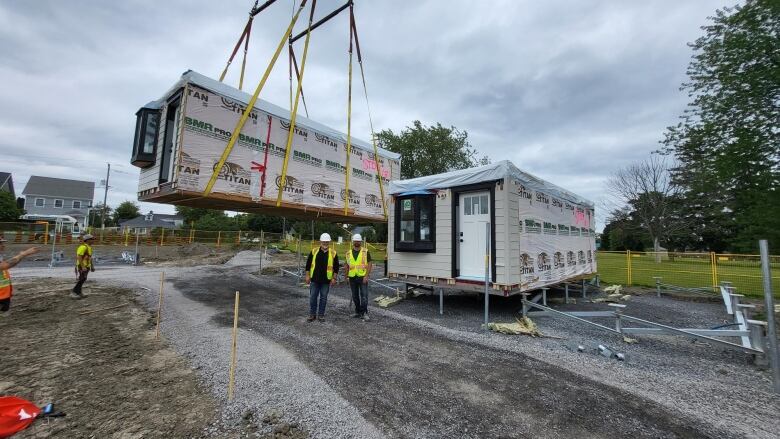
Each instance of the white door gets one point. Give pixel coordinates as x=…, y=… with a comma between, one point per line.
x=473, y=214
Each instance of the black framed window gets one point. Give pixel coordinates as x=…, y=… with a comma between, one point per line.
x=415, y=223
x=147, y=127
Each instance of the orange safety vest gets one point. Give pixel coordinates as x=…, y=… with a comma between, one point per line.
x=329, y=270
x=6, y=289
x=357, y=267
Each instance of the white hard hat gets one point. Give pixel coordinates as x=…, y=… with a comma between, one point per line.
x=87, y=237
x=325, y=237
x=357, y=237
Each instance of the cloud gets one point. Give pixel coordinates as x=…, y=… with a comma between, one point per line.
x=570, y=91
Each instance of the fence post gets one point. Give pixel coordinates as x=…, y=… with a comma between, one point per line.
x=162, y=236
x=628, y=268
x=715, y=282
x=238, y=238
x=46, y=236
x=127, y=235
x=219, y=237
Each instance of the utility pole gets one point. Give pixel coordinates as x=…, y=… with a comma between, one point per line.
x=105, y=196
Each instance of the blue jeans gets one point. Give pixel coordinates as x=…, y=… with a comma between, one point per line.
x=318, y=290
x=359, y=294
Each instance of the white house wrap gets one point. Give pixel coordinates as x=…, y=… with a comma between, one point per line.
x=196, y=118
x=541, y=234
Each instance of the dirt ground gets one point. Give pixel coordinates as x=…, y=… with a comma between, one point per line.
x=104, y=369
x=175, y=255
x=410, y=383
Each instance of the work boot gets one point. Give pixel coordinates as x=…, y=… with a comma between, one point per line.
x=73, y=295
x=356, y=315
x=365, y=317
x=5, y=314
x=311, y=318
x=321, y=318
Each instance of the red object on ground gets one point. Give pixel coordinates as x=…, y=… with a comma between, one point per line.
x=16, y=414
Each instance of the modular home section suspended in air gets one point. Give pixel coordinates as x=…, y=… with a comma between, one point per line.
x=179, y=140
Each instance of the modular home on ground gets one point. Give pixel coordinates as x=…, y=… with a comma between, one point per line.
x=180, y=138
x=442, y=227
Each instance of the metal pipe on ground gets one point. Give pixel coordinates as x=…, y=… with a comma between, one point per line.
x=770, y=315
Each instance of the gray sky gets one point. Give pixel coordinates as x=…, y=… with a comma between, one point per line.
x=567, y=90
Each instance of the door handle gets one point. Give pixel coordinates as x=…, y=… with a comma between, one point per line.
x=461, y=239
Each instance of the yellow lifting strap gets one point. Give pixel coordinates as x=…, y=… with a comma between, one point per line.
x=250, y=106
x=294, y=110
x=349, y=138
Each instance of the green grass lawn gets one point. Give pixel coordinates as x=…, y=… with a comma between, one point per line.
x=689, y=271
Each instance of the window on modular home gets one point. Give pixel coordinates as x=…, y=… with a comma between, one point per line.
x=39, y=202
x=58, y=203
x=415, y=223
x=147, y=126
x=76, y=204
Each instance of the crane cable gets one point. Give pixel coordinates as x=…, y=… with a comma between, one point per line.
x=294, y=110
x=251, y=105
x=353, y=31
x=245, y=39
x=348, y=169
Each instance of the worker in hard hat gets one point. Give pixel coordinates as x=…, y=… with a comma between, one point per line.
x=6, y=288
x=322, y=266
x=358, y=270
x=83, y=264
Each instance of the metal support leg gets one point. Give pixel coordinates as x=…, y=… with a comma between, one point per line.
x=598, y=281
x=657, y=286
x=544, y=296
x=525, y=306
x=757, y=329
x=618, y=316
x=566, y=291
x=441, y=301
x=584, y=288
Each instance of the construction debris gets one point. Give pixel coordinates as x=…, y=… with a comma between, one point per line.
x=523, y=326
x=613, y=295
x=387, y=301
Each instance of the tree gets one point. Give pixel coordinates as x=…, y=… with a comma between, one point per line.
x=727, y=143
x=9, y=211
x=125, y=211
x=192, y=214
x=430, y=150
x=95, y=214
x=644, y=191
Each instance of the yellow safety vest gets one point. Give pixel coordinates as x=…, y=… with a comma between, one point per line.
x=5, y=285
x=87, y=255
x=329, y=271
x=359, y=266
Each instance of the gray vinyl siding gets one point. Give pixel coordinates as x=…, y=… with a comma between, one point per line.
x=513, y=231
x=502, y=233
x=49, y=209
x=438, y=264
x=150, y=177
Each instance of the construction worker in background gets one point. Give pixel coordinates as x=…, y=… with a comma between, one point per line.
x=321, y=265
x=6, y=288
x=358, y=269
x=83, y=264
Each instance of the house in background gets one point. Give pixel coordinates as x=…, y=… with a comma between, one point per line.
x=7, y=183
x=47, y=198
x=143, y=224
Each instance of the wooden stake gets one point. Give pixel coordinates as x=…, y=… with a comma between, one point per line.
x=233, y=352
x=159, y=304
